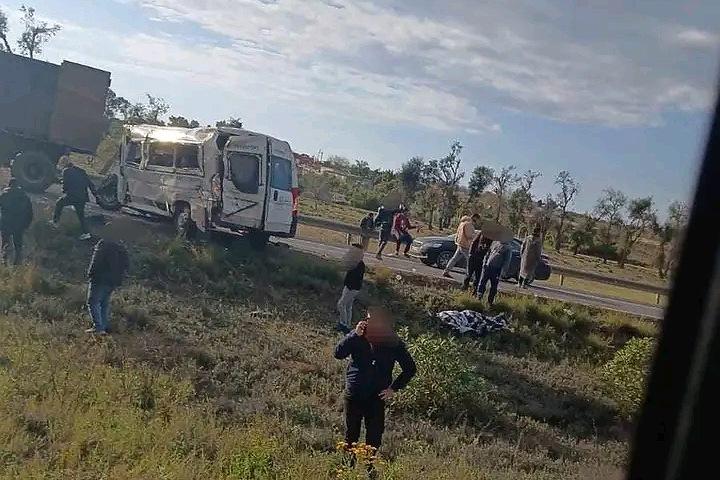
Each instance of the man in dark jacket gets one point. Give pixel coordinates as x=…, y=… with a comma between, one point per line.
x=368, y=228
x=351, y=288
x=478, y=250
x=16, y=215
x=374, y=348
x=107, y=270
x=75, y=186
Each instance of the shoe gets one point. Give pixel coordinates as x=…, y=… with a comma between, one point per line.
x=53, y=223
x=85, y=236
x=447, y=275
x=343, y=328
x=407, y=255
x=379, y=256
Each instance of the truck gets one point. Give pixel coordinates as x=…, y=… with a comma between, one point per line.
x=46, y=111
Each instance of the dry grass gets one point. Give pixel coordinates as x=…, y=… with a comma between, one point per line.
x=221, y=367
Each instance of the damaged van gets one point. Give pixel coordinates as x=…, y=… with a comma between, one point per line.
x=207, y=179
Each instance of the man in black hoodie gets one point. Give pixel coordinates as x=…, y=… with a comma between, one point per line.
x=108, y=267
x=16, y=215
x=351, y=288
x=373, y=348
x=75, y=186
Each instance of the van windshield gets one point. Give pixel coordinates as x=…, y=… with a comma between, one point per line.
x=280, y=173
x=244, y=172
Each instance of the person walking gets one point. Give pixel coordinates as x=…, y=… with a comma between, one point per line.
x=401, y=230
x=75, y=186
x=351, y=288
x=108, y=267
x=367, y=225
x=16, y=215
x=374, y=348
x=463, y=241
x=530, y=255
x=496, y=261
x=383, y=219
x=478, y=250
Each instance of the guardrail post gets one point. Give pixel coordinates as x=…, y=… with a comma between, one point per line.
x=562, y=279
x=658, y=297
x=348, y=238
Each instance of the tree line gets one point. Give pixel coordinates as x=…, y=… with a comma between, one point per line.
x=612, y=230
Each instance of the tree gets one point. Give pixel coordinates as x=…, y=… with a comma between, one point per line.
x=520, y=201
x=480, y=180
x=315, y=186
x=544, y=214
x=501, y=184
x=155, y=109
x=641, y=217
x=569, y=188
x=669, y=235
x=608, y=210
x=230, y=122
x=583, y=235
x=446, y=173
x=35, y=33
x=5, y=45
x=116, y=106
x=428, y=200
x=412, y=176
x=179, y=121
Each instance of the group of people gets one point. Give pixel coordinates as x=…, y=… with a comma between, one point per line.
x=391, y=225
x=109, y=263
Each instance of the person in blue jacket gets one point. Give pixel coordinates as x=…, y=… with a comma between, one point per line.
x=374, y=348
x=497, y=260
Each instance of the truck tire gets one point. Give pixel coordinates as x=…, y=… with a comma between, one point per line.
x=34, y=171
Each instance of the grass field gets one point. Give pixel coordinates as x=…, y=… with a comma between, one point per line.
x=221, y=367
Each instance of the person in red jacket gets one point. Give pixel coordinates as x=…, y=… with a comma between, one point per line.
x=401, y=230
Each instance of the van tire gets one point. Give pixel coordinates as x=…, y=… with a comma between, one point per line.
x=34, y=171
x=184, y=226
x=258, y=240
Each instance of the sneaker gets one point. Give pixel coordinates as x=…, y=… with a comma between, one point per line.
x=90, y=330
x=379, y=256
x=85, y=236
x=343, y=328
x=407, y=255
x=447, y=275
x=53, y=223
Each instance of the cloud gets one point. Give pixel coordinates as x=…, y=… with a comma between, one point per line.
x=440, y=65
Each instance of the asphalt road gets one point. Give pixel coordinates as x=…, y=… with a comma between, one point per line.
x=413, y=266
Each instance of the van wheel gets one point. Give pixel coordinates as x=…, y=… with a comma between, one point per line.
x=258, y=240
x=184, y=226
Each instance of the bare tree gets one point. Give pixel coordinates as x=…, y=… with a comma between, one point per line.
x=446, y=173
x=669, y=235
x=35, y=34
x=608, y=210
x=569, y=188
x=501, y=184
x=480, y=180
x=5, y=45
x=520, y=201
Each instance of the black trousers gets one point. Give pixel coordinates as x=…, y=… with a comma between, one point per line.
x=78, y=206
x=371, y=410
x=16, y=238
x=474, y=272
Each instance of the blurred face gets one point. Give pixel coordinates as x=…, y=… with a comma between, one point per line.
x=379, y=328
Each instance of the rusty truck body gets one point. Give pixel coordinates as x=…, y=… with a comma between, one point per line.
x=46, y=110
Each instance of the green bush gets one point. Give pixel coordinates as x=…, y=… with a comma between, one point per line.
x=446, y=382
x=624, y=376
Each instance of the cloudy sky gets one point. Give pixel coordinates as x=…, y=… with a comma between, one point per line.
x=617, y=92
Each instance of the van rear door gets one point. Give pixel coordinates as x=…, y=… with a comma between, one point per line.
x=280, y=196
x=244, y=186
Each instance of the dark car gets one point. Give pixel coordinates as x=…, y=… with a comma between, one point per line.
x=437, y=251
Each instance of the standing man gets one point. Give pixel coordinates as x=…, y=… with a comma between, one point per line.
x=108, y=267
x=401, y=229
x=16, y=215
x=75, y=186
x=368, y=228
x=351, y=288
x=530, y=255
x=374, y=348
x=463, y=241
x=478, y=250
x=496, y=261
x=384, y=221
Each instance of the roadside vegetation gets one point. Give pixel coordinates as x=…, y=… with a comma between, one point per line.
x=221, y=367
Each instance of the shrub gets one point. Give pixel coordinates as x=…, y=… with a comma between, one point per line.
x=446, y=382
x=625, y=375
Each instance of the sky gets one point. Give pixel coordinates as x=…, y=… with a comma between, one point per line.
x=617, y=92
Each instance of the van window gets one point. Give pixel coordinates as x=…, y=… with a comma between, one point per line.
x=161, y=155
x=280, y=173
x=134, y=154
x=187, y=157
x=244, y=171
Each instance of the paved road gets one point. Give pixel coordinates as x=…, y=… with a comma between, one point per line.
x=415, y=267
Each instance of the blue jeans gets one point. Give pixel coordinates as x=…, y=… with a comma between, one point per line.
x=98, y=303
x=492, y=275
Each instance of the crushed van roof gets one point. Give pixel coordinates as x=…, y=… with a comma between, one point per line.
x=183, y=135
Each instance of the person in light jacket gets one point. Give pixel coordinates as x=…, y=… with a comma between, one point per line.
x=530, y=255
x=496, y=261
x=463, y=242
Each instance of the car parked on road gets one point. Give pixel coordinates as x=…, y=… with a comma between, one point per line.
x=437, y=252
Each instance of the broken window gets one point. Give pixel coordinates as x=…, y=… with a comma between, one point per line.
x=244, y=171
x=161, y=155
x=187, y=157
x=281, y=173
x=133, y=156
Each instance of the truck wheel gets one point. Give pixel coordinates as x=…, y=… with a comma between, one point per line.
x=184, y=226
x=34, y=171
